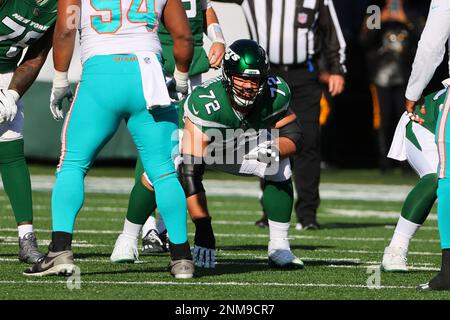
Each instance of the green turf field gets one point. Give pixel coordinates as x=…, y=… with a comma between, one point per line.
x=337, y=257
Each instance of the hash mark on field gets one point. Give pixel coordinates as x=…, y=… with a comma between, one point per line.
x=243, y=284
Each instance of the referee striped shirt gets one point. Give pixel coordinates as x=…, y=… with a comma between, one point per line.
x=295, y=31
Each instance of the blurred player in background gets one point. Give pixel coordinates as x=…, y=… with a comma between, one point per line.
x=122, y=79
x=416, y=143
x=26, y=23
x=248, y=102
x=202, y=19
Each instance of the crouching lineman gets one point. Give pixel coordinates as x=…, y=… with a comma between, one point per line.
x=23, y=24
x=416, y=143
x=248, y=99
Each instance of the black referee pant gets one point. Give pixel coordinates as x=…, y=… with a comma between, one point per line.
x=306, y=93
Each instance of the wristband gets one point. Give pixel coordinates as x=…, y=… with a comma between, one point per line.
x=215, y=33
x=60, y=79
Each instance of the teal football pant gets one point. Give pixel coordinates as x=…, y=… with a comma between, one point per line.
x=443, y=192
x=111, y=90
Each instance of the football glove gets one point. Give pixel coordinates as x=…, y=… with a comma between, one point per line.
x=8, y=106
x=264, y=152
x=204, y=257
x=60, y=91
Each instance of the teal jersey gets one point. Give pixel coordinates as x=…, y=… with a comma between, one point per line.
x=433, y=104
x=209, y=106
x=22, y=23
x=200, y=63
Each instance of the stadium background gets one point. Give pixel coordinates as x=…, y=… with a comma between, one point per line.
x=348, y=136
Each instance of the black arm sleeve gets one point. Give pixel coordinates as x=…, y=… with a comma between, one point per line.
x=190, y=174
x=293, y=131
x=333, y=39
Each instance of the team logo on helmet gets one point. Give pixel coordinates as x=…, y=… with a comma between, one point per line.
x=41, y=2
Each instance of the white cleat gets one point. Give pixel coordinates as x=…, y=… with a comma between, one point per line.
x=284, y=258
x=394, y=259
x=125, y=250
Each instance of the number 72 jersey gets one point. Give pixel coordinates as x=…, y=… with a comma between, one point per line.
x=22, y=23
x=209, y=106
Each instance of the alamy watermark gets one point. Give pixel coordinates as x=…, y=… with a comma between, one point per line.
x=373, y=21
x=374, y=279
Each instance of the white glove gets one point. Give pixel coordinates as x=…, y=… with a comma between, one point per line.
x=181, y=81
x=60, y=91
x=204, y=257
x=8, y=106
x=264, y=152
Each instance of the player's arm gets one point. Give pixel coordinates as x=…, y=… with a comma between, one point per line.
x=63, y=47
x=290, y=136
x=214, y=32
x=193, y=147
x=32, y=63
x=176, y=22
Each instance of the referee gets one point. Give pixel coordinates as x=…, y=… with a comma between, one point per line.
x=293, y=33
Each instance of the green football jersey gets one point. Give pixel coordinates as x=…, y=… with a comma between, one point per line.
x=22, y=22
x=432, y=103
x=200, y=63
x=209, y=107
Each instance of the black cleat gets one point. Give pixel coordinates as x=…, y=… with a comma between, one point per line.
x=28, y=249
x=439, y=283
x=152, y=243
x=263, y=222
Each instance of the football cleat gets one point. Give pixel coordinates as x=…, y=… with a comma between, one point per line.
x=54, y=263
x=204, y=257
x=182, y=269
x=152, y=243
x=263, y=222
x=440, y=282
x=125, y=250
x=394, y=259
x=28, y=249
x=284, y=258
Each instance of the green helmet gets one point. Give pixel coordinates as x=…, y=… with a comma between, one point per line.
x=245, y=59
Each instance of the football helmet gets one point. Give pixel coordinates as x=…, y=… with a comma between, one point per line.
x=245, y=61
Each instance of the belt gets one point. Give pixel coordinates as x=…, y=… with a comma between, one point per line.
x=291, y=67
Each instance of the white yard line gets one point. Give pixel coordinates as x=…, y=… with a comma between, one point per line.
x=328, y=191
x=217, y=284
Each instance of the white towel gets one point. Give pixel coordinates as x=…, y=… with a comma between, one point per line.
x=153, y=81
x=398, y=146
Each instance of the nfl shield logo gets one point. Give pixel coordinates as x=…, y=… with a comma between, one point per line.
x=302, y=18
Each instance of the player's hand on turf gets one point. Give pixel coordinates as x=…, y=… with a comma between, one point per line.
x=8, y=104
x=216, y=53
x=409, y=106
x=60, y=91
x=204, y=257
x=264, y=152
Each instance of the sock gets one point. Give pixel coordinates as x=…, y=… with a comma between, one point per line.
x=131, y=229
x=16, y=179
x=444, y=212
x=404, y=231
x=278, y=198
x=442, y=280
x=149, y=225
x=67, y=197
x=204, y=234
x=141, y=204
x=161, y=226
x=278, y=235
x=61, y=241
x=420, y=199
x=180, y=251
x=171, y=202
x=23, y=229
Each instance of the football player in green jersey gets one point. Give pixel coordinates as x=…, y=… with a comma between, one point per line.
x=202, y=19
x=239, y=123
x=25, y=23
x=416, y=143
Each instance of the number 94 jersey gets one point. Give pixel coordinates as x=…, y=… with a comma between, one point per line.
x=22, y=23
x=209, y=106
x=116, y=27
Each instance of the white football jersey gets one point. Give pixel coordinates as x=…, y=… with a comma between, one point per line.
x=119, y=27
